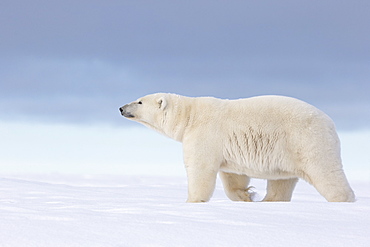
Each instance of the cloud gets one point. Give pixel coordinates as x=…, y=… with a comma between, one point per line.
x=137, y=30
x=91, y=91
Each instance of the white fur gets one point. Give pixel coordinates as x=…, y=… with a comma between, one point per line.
x=270, y=137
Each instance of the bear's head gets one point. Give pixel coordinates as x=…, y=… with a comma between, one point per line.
x=151, y=110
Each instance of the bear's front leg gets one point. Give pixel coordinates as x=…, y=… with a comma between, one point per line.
x=201, y=183
x=202, y=162
x=236, y=186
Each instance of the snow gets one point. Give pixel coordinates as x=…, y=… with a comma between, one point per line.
x=66, y=210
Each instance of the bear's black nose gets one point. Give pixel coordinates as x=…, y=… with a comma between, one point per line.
x=121, y=109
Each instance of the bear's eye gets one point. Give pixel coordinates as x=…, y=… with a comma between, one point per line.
x=140, y=102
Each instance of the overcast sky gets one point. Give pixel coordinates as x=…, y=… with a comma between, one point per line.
x=78, y=61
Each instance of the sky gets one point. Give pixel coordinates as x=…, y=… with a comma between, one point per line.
x=74, y=63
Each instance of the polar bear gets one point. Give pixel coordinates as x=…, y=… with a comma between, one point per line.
x=277, y=138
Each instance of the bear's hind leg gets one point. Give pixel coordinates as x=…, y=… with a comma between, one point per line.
x=332, y=185
x=280, y=190
x=235, y=186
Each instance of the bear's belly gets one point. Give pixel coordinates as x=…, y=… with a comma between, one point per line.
x=259, y=154
x=256, y=171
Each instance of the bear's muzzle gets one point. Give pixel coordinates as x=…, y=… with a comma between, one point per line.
x=125, y=112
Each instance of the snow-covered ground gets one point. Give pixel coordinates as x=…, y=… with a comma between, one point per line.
x=60, y=210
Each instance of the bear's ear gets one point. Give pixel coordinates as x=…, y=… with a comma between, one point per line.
x=162, y=103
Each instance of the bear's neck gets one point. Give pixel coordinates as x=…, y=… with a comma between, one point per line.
x=180, y=118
